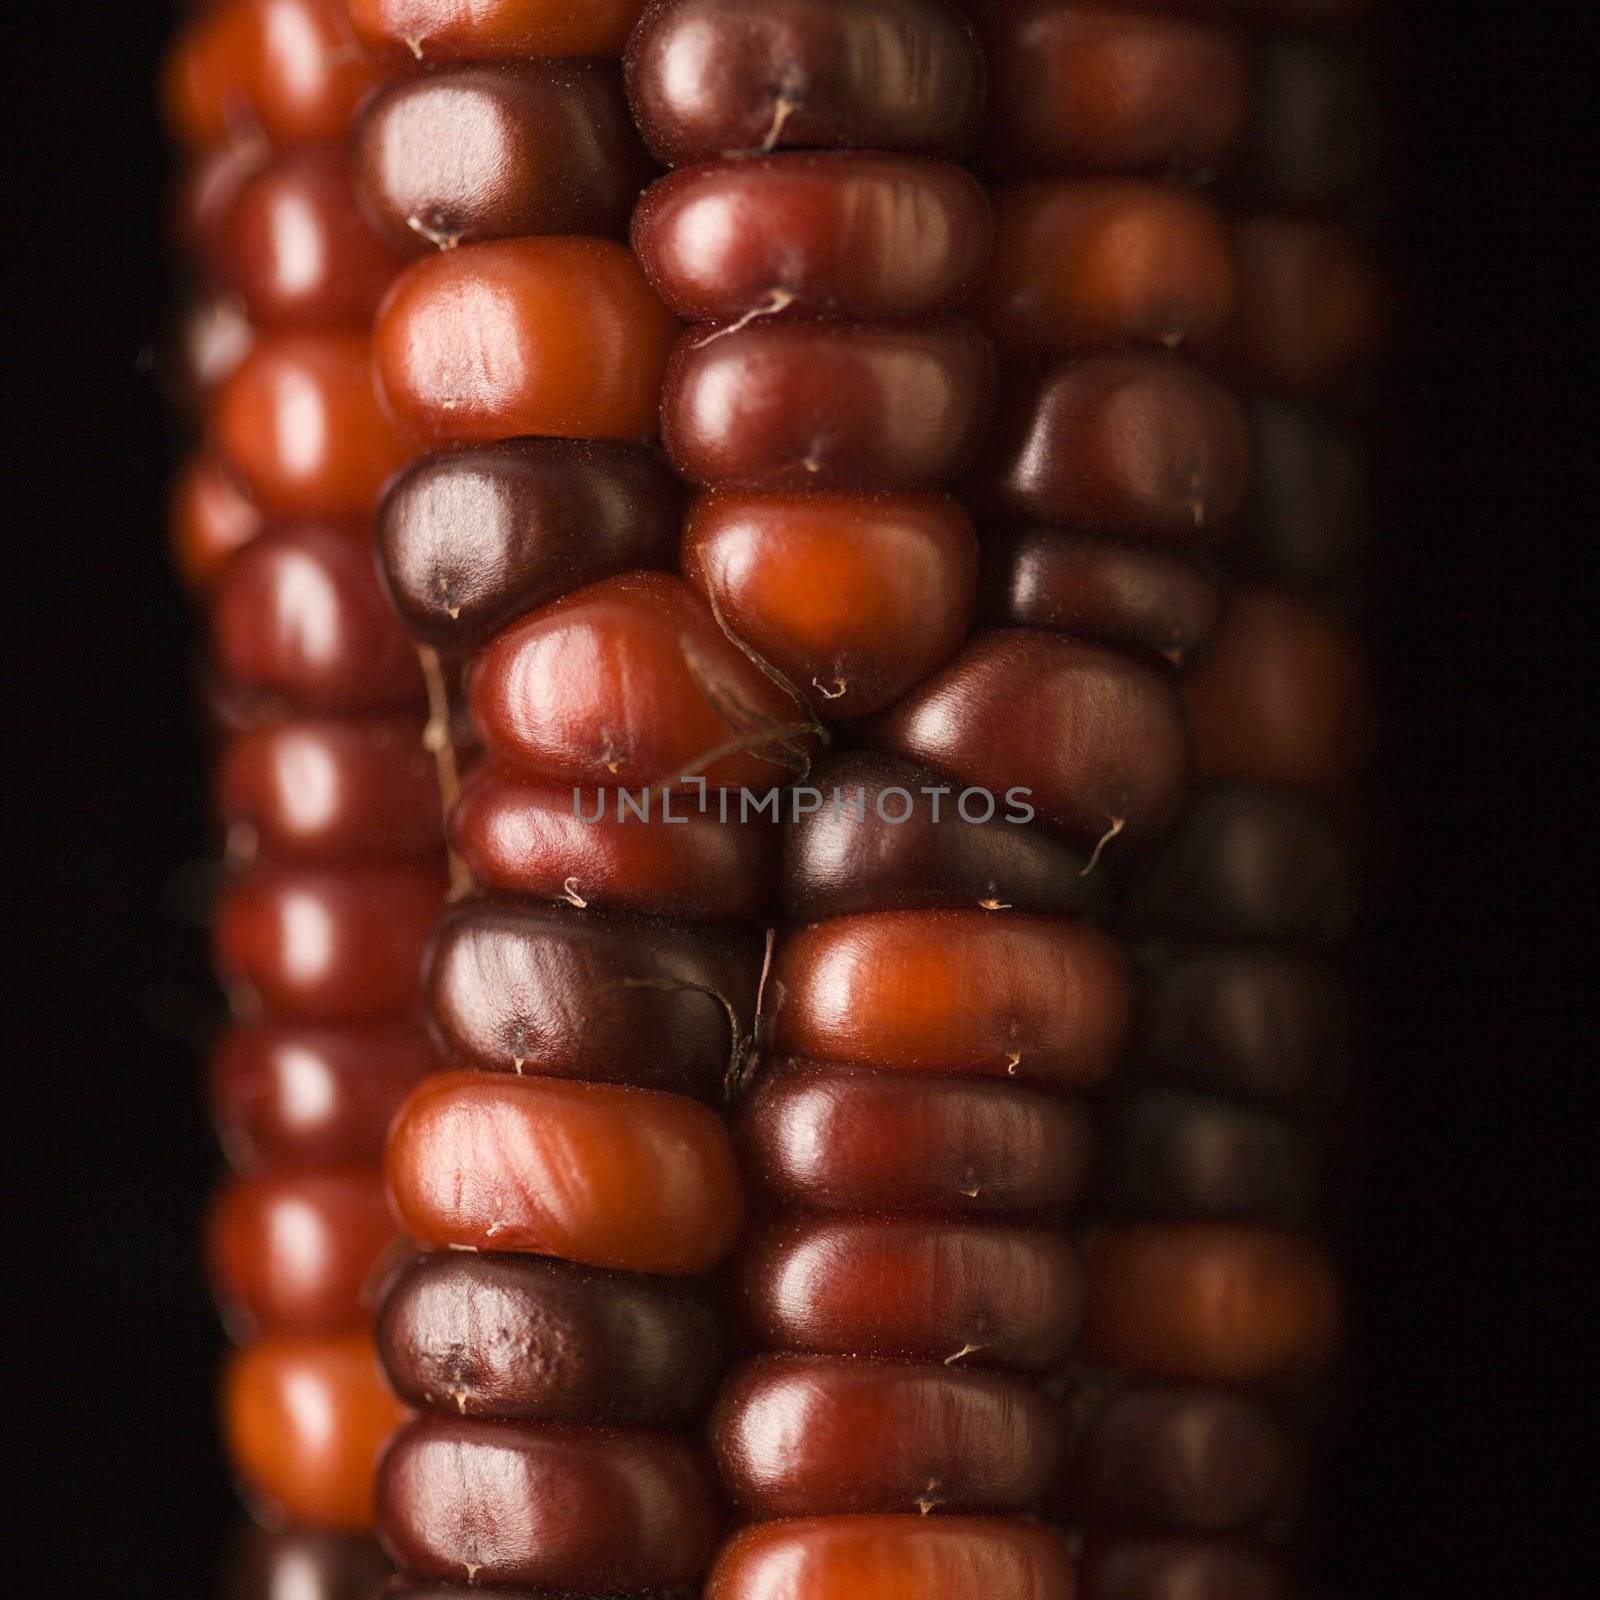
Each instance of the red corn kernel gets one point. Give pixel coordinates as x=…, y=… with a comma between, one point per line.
x=560, y=337
x=605, y=1176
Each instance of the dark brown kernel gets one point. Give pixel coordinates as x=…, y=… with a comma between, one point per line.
x=1306, y=516
x=1114, y=764
x=1130, y=596
x=841, y=1139
x=711, y=78
x=1113, y=88
x=1249, y=864
x=538, y=1340
x=472, y=538
x=1314, y=127
x=586, y=994
x=1263, y=1024
x=1128, y=444
x=1172, y=1153
x=555, y=1508
x=1310, y=308
x=850, y=854
x=1283, y=698
x=299, y=1564
x=1179, y=1569
x=494, y=151
x=1202, y=1460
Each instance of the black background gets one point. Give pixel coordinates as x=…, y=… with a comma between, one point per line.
x=1468, y=1261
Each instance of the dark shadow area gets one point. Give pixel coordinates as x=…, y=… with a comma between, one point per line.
x=109, y=1393
x=1470, y=1349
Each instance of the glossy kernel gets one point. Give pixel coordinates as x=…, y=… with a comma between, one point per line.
x=1091, y=88
x=207, y=343
x=589, y=994
x=327, y=790
x=564, y=1510
x=810, y=1435
x=854, y=598
x=538, y=1340
x=780, y=405
x=712, y=78
x=1129, y=596
x=311, y=76
x=302, y=1564
x=211, y=517
x=325, y=944
x=841, y=1139
x=906, y=1557
x=411, y=31
x=203, y=200
x=297, y=248
x=491, y=152
x=557, y=336
x=286, y=67
x=298, y=614
x=604, y=1176
x=812, y=234
x=1138, y=444
x=973, y=992
x=1115, y=759
x=206, y=77
x=886, y=835
x=1091, y=263
x=527, y=838
x=300, y=420
x=1231, y=1304
x=284, y=1092
x=296, y=1251
x=473, y=538
x=631, y=684
x=913, y=1290
x=304, y=1421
